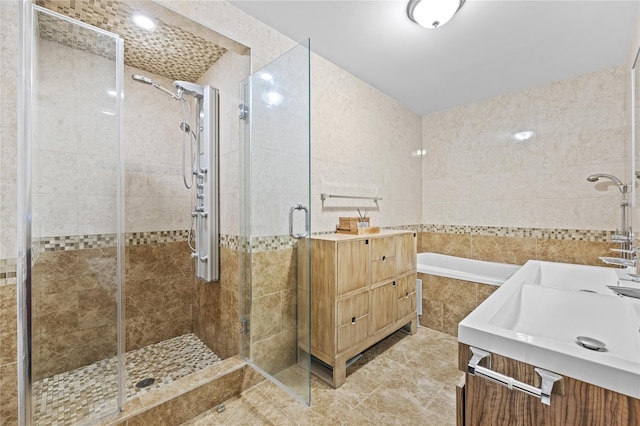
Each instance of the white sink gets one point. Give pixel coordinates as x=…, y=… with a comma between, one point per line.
x=537, y=315
x=573, y=277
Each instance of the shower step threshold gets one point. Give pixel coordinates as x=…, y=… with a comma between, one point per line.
x=189, y=396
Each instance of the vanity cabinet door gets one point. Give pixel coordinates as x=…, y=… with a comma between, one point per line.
x=406, y=295
x=353, y=266
x=383, y=306
x=406, y=253
x=352, y=307
x=352, y=315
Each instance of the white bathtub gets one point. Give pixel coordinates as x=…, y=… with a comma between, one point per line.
x=460, y=268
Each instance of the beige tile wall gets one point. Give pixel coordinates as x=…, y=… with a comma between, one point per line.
x=274, y=309
x=74, y=309
x=216, y=308
x=474, y=173
x=225, y=76
x=8, y=356
x=159, y=292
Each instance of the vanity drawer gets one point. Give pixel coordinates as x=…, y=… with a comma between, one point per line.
x=406, y=285
x=406, y=304
x=383, y=269
x=383, y=248
x=352, y=333
x=352, y=307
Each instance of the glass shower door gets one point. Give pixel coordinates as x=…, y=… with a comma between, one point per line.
x=275, y=221
x=70, y=221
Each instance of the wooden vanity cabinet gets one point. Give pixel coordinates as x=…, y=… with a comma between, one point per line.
x=482, y=402
x=363, y=289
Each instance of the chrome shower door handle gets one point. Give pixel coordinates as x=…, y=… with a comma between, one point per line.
x=306, y=221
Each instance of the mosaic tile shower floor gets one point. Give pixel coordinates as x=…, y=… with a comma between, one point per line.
x=90, y=392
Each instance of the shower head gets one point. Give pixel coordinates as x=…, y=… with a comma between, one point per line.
x=192, y=89
x=146, y=80
x=595, y=177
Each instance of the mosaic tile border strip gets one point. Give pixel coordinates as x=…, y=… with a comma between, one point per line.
x=272, y=242
x=230, y=241
x=542, y=233
x=8, y=271
x=80, y=242
x=505, y=231
x=280, y=242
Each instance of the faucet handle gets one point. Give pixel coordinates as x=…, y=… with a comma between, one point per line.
x=634, y=250
x=621, y=238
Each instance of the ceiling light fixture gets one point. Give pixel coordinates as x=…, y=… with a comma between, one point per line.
x=432, y=13
x=144, y=22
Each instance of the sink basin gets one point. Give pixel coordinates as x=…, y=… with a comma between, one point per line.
x=573, y=277
x=549, y=313
x=537, y=315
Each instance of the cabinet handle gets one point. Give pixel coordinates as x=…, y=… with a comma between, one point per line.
x=353, y=320
x=384, y=258
x=394, y=283
x=406, y=295
x=544, y=392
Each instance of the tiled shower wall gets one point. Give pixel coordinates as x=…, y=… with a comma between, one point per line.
x=75, y=309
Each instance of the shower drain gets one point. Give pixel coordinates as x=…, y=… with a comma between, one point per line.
x=145, y=382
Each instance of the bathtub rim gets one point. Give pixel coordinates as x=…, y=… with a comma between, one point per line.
x=506, y=269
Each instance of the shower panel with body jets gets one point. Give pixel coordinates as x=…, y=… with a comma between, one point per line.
x=203, y=136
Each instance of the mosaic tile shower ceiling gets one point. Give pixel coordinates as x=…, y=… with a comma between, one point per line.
x=167, y=50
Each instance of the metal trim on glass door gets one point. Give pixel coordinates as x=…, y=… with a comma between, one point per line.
x=293, y=208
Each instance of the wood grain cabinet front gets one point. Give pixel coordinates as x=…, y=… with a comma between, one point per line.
x=406, y=295
x=363, y=289
x=353, y=265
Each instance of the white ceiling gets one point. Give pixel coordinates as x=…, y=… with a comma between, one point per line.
x=489, y=48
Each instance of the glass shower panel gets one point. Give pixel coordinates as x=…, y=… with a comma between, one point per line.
x=275, y=222
x=75, y=219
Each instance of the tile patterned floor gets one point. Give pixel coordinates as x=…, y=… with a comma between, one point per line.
x=403, y=380
x=90, y=392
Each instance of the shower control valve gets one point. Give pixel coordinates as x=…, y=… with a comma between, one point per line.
x=203, y=214
x=200, y=186
x=204, y=259
x=199, y=209
x=203, y=170
x=200, y=196
x=194, y=255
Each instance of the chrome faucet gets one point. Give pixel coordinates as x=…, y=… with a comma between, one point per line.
x=623, y=236
x=630, y=261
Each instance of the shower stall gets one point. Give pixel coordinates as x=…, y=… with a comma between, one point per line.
x=127, y=280
x=84, y=356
